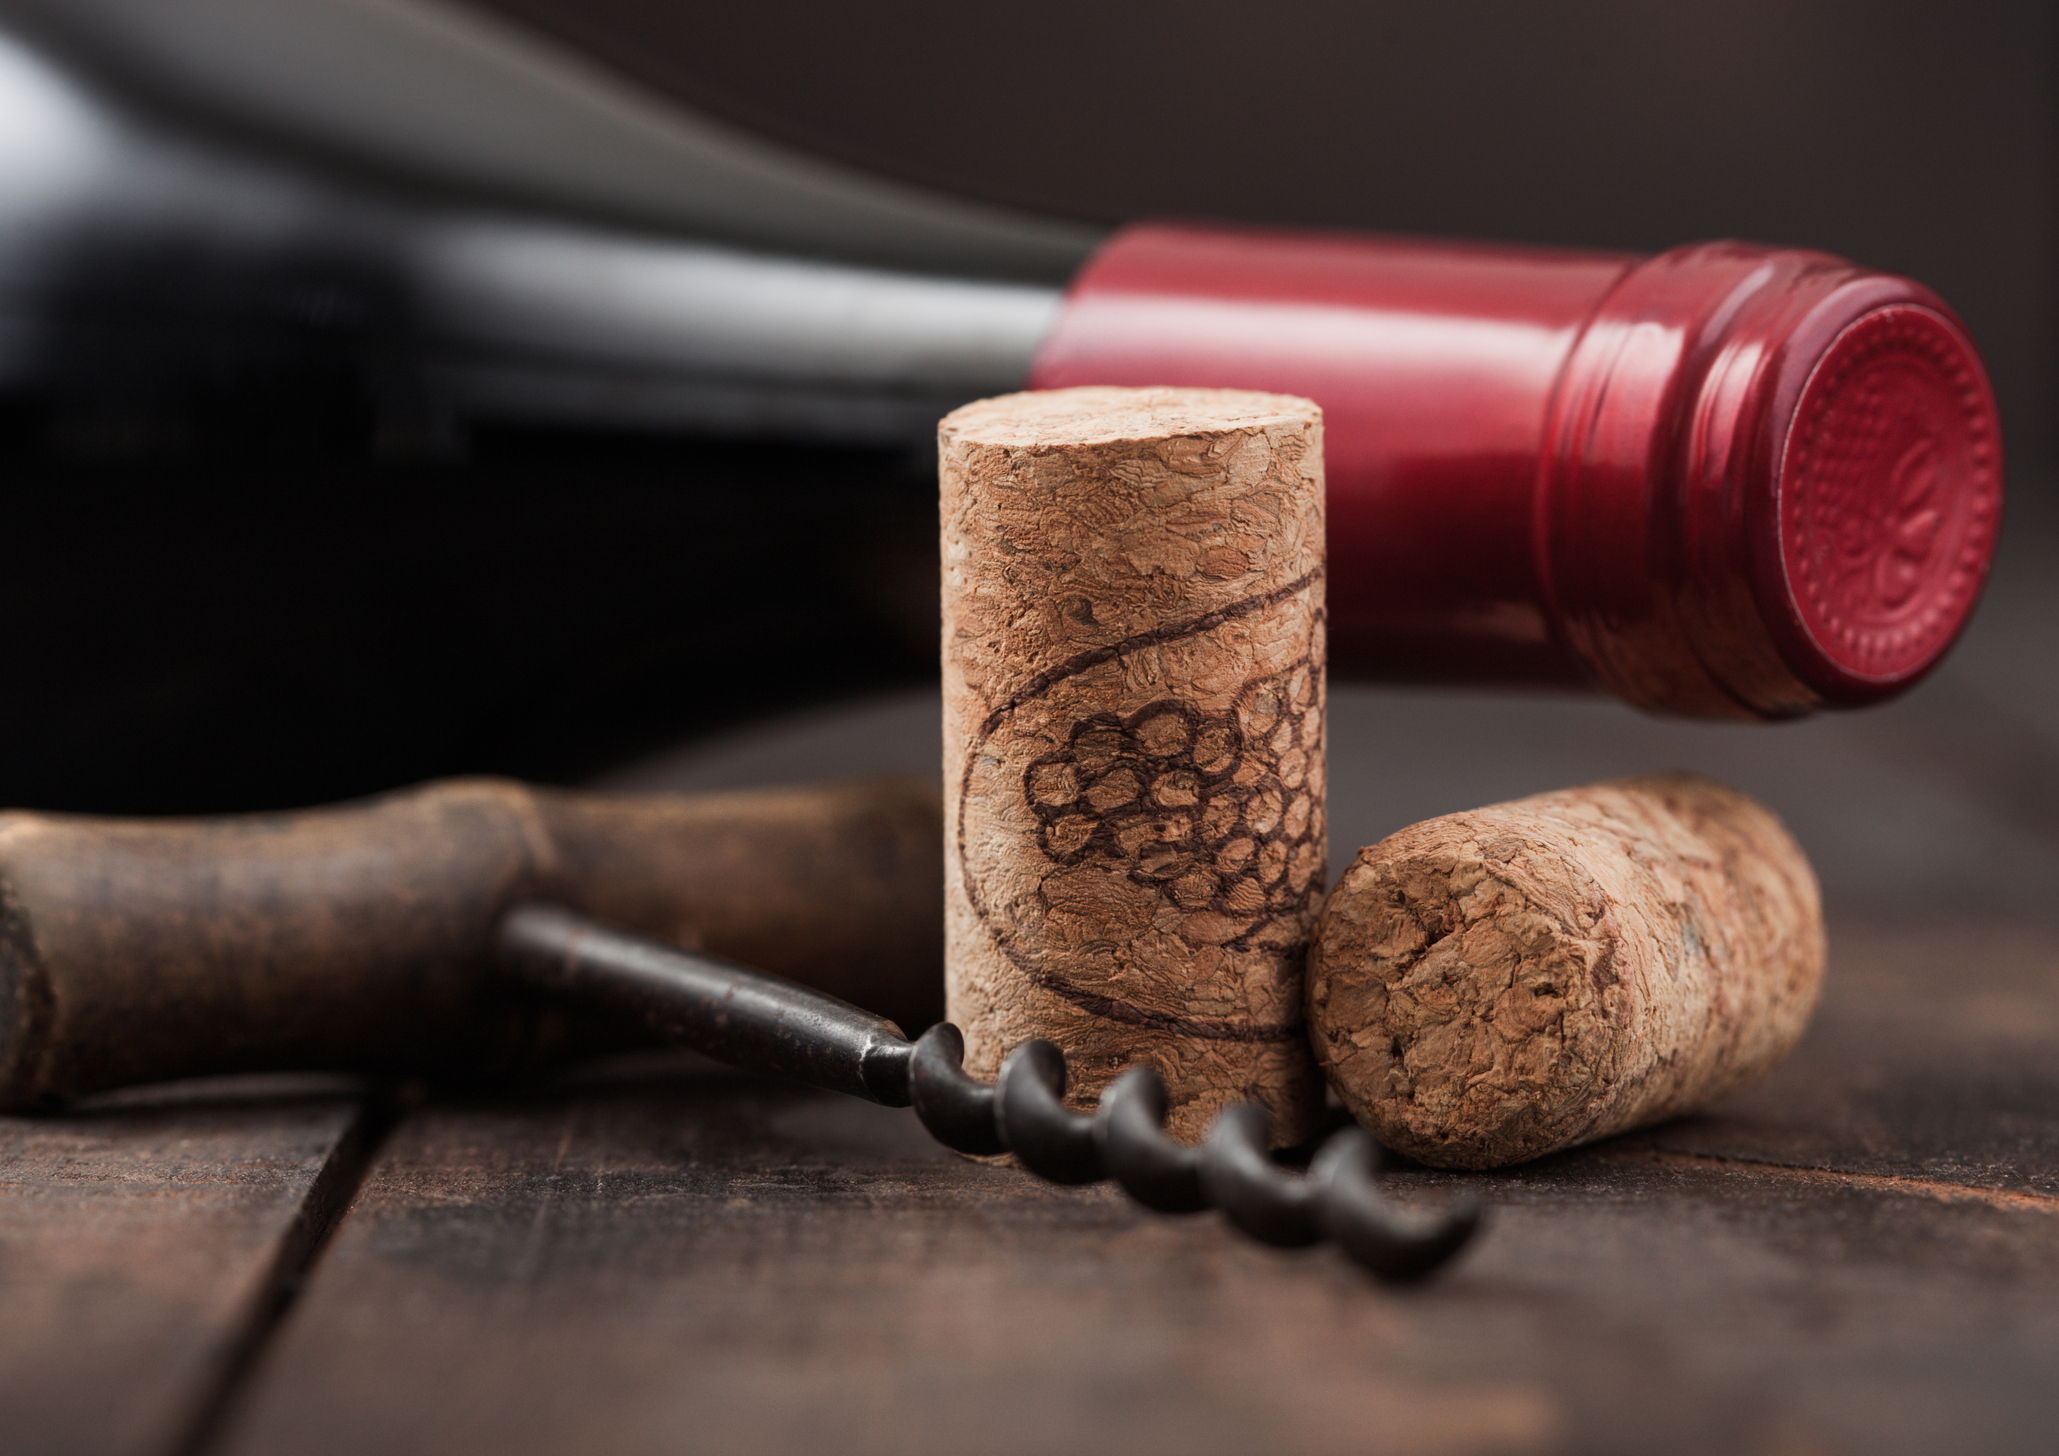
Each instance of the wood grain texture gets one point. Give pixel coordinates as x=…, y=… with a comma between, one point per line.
x=137, y=1244
x=702, y=1261
x=1133, y=741
x=1934, y=1057
x=737, y=1267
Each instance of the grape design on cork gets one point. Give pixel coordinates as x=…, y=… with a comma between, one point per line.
x=1222, y=812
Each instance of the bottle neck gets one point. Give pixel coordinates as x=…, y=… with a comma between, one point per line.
x=1727, y=481
x=1433, y=362
x=1769, y=483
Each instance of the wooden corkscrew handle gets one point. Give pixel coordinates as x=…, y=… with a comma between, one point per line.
x=359, y=937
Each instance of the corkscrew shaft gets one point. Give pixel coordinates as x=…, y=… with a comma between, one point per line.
x=763, y=1023
x=729, y=1011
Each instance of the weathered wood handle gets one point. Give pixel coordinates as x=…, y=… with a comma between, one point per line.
x=359, y=937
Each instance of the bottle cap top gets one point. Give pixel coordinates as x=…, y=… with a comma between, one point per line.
x=1774, y=483
x=1889, y=497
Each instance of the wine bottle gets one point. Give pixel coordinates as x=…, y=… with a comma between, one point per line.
x=1726, y=481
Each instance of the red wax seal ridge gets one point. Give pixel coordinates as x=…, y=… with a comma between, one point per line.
x=1890, y=493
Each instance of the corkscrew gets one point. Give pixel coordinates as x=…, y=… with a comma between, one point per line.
x=763, y=1023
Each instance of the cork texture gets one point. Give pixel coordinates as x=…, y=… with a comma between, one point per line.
x=1133, y=738
x=1492, y=986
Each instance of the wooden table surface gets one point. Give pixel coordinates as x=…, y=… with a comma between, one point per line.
x=656, y=1254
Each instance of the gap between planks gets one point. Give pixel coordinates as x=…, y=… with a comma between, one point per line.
x=327, y=1200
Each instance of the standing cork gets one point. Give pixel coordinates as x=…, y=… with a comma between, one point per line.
x=1133, y=738
x=1492, y=986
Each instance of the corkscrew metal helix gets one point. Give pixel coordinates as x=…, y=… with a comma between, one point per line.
x=763, y=1023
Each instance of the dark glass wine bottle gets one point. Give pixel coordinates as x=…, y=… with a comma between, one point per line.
x=1729, y=480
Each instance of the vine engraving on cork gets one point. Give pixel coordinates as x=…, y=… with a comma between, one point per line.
x=1218, y=815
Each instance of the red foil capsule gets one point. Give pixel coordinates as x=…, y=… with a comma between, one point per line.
x=1726, y=481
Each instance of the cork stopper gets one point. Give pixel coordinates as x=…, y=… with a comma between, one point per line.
x=1133, y=737
x=1492, y=986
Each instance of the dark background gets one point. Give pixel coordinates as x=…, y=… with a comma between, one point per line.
x=198, y=618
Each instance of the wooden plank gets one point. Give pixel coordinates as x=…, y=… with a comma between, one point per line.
x=1935, y=1055
x=720, y=1264
x=140, y=1245
x=704, y=1261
